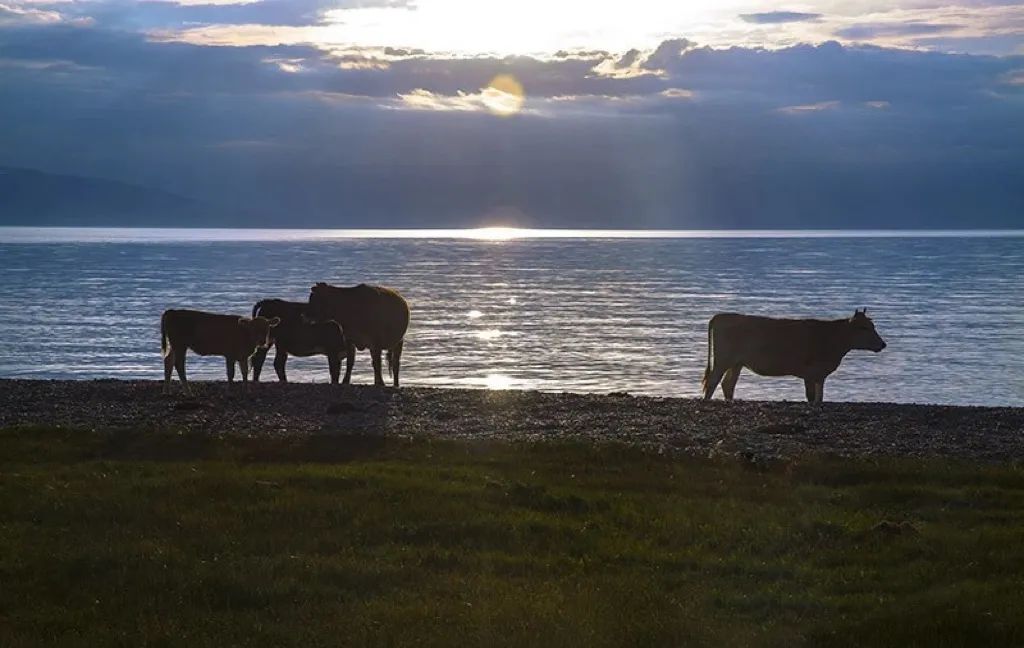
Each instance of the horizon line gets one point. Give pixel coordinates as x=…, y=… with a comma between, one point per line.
x=56, y=234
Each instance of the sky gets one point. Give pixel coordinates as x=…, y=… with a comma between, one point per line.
x=543, y=113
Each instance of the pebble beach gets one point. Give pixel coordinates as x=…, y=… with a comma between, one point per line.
x=752, y=429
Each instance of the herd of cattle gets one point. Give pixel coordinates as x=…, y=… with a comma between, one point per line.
x=336, y=321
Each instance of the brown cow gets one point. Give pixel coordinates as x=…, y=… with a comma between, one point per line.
x=236, y=338
x=373, y=317
x=807, y=348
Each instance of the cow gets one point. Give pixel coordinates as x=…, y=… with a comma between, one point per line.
x=298, y=336
x=806, y=348
x=373, y=317
x=236, y=338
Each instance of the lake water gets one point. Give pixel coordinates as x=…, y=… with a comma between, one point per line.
x=622, y=312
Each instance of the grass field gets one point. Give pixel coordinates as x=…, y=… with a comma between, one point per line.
x=145, y=539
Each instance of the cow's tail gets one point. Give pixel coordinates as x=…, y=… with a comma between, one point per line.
x=393, y=355
x=163, y=334
x=711, y=356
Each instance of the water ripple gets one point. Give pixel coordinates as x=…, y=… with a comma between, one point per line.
x=576, y=315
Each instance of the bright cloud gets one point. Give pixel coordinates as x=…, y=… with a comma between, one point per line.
x=503, y=97
x=15, y=14
x=809, y=108
x=541, y=28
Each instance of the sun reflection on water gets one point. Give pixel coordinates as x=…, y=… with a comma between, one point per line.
x=490, y=334
x=498, y=381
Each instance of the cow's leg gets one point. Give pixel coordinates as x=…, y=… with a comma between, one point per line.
x=258, y=358
x=395, y=361
x=378, y=376
x=280, y=360
x=810, y=387
x=243, y=365
x=819, y=391
x=712, y=376
x=729, y=381
x=230, y=362
x=350, y=358
x=179, y=366
x=334, y=366
x=168, y=368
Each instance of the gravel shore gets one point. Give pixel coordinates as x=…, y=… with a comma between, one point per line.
x=678, y=425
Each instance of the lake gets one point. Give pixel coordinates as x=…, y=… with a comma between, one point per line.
x=554, y=311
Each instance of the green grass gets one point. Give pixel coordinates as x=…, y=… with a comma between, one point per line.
x=145, y=539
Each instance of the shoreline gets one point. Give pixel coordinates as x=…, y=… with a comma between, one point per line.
x=761, y=430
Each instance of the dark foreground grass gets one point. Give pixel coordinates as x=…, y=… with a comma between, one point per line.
x=144, y=539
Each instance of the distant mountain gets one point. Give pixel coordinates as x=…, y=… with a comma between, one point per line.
x=30, y=197
x=418, y=196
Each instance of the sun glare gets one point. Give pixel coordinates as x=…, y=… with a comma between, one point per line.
x=496, y=233
x=504, y=95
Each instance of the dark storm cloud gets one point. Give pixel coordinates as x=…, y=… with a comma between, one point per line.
x=777, y=17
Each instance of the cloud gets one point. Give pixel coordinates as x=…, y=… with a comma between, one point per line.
x=207, y=3
x=809, y=108
x=667, y=52
x=1014, y=78
x=420, y=99
x=498, y=99
x=171, y=16
x=777, y=17
x=20, y=14
x=705, y=136
x=912, y=28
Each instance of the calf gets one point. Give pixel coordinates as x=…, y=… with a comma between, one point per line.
x=298, y=336
x=235, y=338
x=808, y=349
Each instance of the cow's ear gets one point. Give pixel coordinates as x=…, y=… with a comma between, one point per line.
x=274, y=321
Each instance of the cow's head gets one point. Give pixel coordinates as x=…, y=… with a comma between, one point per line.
x=258, y=330
x=863, y=334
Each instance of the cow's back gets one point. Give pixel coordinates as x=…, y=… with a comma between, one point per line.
x=766, y=345
x=204, y=333
x=372, y=316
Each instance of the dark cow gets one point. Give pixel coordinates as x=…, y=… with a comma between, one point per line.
x=372, y=317
x=236, y=338
x=807, y=348
x=298, y=336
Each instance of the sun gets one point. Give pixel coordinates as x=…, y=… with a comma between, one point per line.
x=496, y=233
x=504, y=95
